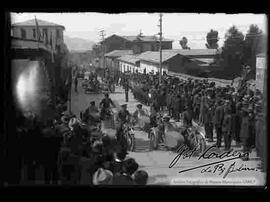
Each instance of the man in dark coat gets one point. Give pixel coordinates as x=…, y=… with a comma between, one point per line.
x=208, y=124
x=76, y=83
x=226, y=128
x=244, y=134
x=260, y=134
x=237, y=123
x=126, y=86
x=218, y=119
x=187, y=117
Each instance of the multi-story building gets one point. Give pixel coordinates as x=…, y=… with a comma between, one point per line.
x=48, y=31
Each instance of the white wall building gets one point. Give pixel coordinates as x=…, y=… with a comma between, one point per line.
x=129, y=63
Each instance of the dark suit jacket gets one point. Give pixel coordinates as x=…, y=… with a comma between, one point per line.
x=219, y=115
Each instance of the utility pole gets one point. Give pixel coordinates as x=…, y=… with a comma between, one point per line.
x=102, y=34
x=160, y=47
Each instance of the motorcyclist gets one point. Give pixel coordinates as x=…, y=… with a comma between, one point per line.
x=139, y=112
x=91, y=112
x=122, y=117
x=105, y=105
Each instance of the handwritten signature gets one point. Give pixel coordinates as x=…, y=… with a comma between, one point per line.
x=213, y=167
x=220, y=168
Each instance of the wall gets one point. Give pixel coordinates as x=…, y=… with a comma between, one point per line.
x=149, y=67
x=127, y=66
x=115, y=43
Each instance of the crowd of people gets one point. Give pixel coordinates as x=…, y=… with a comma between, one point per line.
x=71, y=153
x=233, y=113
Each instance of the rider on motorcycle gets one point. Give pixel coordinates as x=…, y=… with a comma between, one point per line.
x=105, y=105
x=123, y=117
x=139, y=112
x=90, y=113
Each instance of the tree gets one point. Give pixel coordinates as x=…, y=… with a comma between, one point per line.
x=232, y=52
x=183, y=42
x=253, y=44
x=212, y=39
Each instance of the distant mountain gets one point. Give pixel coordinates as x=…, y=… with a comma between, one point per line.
x=78, y=44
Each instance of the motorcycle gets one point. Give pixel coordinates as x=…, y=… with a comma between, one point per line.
x=108, y=122
x=90, y=88
x=129, y=137
x=142, y=122
x=173, y=136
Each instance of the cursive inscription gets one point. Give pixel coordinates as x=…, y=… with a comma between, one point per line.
x=218, y=166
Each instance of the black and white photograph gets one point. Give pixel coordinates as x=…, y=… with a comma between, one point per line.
x=137, y=99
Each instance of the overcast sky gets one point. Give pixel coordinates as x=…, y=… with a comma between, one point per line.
x=175, y=25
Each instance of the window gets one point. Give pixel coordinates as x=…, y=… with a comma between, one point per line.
x=45, y=35
x=34, y=33
x=23, y=34
x=58, y=35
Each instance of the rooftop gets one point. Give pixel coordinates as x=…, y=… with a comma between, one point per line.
x=204, y=60
x=129, y=58
x=118, y=53
x=193, y=52
x=154, y=56
x=141, y=38
x=40, y=23
x=261, y=55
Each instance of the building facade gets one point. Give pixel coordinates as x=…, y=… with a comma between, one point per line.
x=51, y=33
x=129, y=63
x=138, y=43
x=111, y=58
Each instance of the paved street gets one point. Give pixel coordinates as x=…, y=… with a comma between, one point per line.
x=156, y=163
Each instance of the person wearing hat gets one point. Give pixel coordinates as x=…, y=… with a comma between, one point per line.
x=226, y=128
x=122, y=117
x=130, y=166
x=196, y=106
x=244, y=133
x=208, y=124
x=251, y=120
x=218, y=119
x=105, y=104
x=91, y=112
x=126, y=87
x=260, y=133
x=118, y=158
x=237, y=123
x=176, y=106
x=187, y=117
x=138, y=112
x=141, y=177
x=102, y=177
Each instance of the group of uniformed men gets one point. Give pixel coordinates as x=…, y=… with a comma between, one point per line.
x=232, y=113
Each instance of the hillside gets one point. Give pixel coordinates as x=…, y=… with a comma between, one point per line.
x=78, y=44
